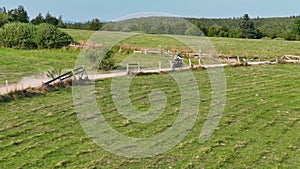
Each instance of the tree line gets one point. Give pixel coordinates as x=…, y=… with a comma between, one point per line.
x=18, y=31
x=240, y=27
x=19, y=14
x=246, y=27
x=243, y=27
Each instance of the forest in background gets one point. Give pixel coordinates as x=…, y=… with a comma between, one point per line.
x=237, y=27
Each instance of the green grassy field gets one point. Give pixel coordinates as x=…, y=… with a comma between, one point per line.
x=79, y=35
x=259, y=128
x=16, y=64
x=265, y=49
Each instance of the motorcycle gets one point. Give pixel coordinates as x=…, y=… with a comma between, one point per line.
x=177, y=63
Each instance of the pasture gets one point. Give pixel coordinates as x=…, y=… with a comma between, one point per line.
x=259, y=127
x=16, y=64
x=265, y=49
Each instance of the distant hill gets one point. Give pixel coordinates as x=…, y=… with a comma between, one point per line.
x=223, y=27
x=270, y=27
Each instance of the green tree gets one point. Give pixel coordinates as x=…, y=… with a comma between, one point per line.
x=179, y=28
x=290, y=36
x=213, y=31
x=4, y=18
x=294, y=32
x=38, y=19
x=107, y=62
x=51, y=19
x=19, y=14
x=296, y=27
x=3, y=10
x=167, y=28
x=235, y=33
x=60, y=22
x=95, y=24
x=193, y=31
x=102, y=59
x=249, y=29
x=48, y=36
x=201, y=27
x=223, y=31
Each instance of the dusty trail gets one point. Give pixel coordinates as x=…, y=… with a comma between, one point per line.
x=32, y=81
x=26, y=82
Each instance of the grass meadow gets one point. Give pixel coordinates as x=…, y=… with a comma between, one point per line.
x=265, y=49
x=259, y=127
x=16, y=63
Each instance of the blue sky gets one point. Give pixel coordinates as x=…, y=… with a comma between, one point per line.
x=73, y=10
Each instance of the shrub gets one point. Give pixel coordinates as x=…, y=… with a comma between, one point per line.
x=4, y=18
x=107, y=62
x=290, y=36
x=29, y=36
x=101, y=59
x=18, y=35
x=235, y=33
x=48, y=36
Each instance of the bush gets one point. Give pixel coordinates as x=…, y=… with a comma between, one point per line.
x=29, y=36
x=4, y=18
x=101, y=59
x=107, y=61
x=290, y=36
x=235, y=33
x=18, y=35
x=48, y=36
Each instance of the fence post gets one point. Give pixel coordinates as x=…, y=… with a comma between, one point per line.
x=190, y=62
x=159, y=65
x=199, y=53
x=199, y=61
x=127, y=68
x=238, y=59
x=139, y=69
x=6, y=84
x=170, y=64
